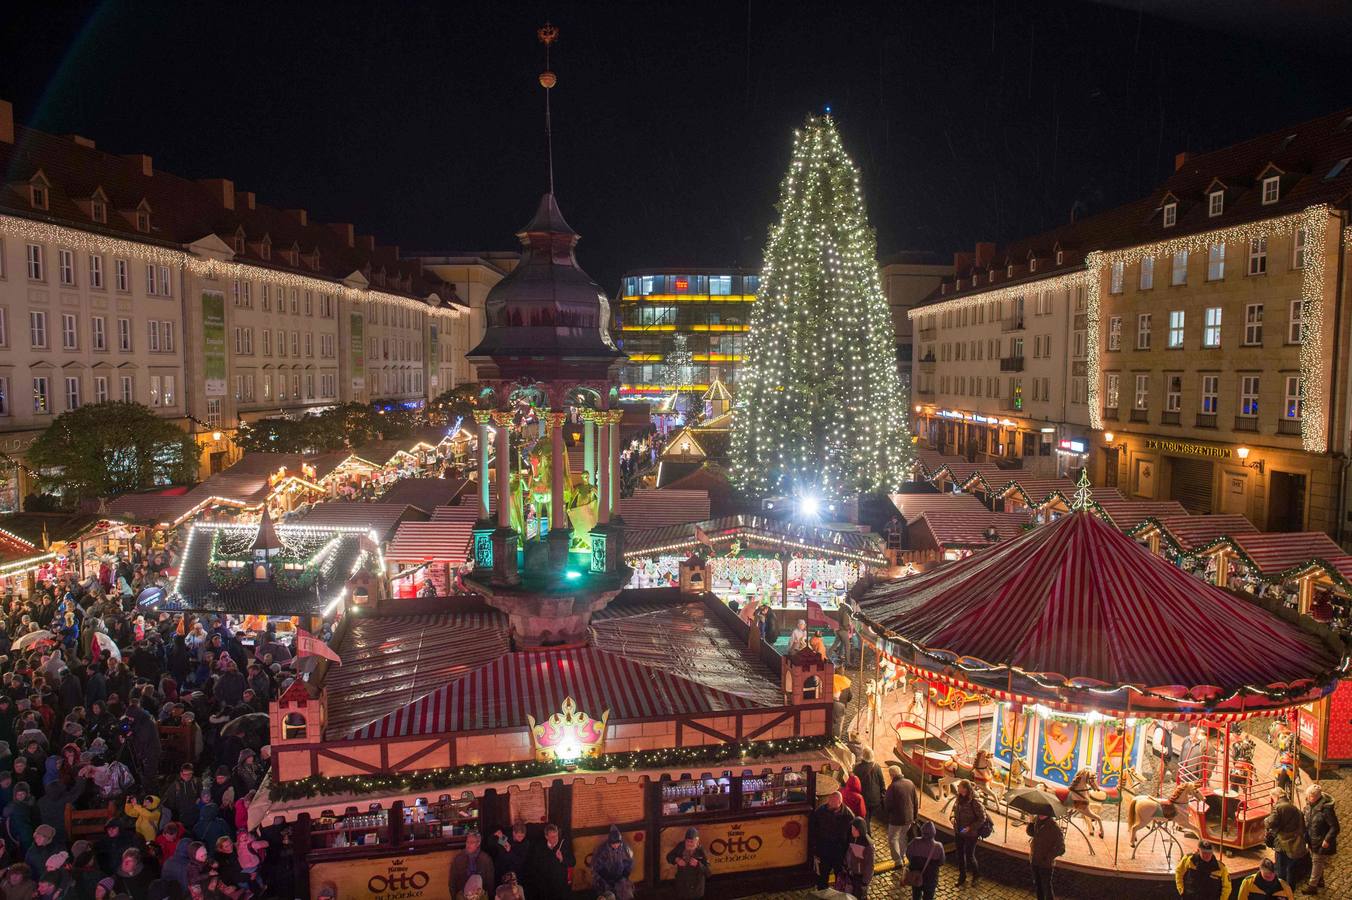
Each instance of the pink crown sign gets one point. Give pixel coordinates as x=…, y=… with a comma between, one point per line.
x=568, y=735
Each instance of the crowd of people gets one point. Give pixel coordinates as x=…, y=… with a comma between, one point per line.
x=131, y=744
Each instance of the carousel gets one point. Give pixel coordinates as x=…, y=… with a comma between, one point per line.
x=1070, y=670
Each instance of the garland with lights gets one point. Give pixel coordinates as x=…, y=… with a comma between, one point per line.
x=322, y=785
x=820, y=409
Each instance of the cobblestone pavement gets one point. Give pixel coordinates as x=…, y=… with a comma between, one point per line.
x=1004, y=878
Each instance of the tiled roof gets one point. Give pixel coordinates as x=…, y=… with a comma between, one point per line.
x=968, y=529
x=425, y=493
x=913, y=506
x=183, y=211
x=649, y=508
x=382, y=517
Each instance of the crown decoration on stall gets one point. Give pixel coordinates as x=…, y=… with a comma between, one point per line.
x=568, y=734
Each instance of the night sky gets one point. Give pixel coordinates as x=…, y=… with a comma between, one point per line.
x=422, y=122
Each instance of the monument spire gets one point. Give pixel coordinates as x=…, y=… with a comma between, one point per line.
x=548, y=34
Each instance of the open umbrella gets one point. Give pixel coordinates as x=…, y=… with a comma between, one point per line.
x=33, y=638
x=150, y=596
x=252, y=728
x=1035, y=802
x=107, y=644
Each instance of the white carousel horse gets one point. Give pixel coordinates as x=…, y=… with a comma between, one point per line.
x=980, y=772
x=1083, y=794
x=1143, y=811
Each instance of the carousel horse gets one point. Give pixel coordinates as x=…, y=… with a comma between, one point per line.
x=979, y=772
x=1132, y=781
x=1084, y=790
x=1144, y=811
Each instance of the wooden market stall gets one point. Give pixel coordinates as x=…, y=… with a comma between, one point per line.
x=435, y=551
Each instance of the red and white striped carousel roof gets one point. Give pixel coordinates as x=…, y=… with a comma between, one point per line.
x=501, y=694
x=1078, y=601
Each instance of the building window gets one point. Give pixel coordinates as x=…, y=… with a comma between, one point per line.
x=309, y=344
x=37, y=195
x=143, y=221
x=1142, y=399
x=37, y=329
x=128, y=389
x=4, y=327
x=1115, y=333
x=1253, y=325
x=4, y=396
x=1143, y=331
x=1060, y=257
x=98, y=333
x=65, y=267
x=1180, y=271
x=1258, y=256
x=1173, y=393
x=100, y=388
x=124, y=335
x=248, y=341
x=247, y=288
x=1215, y=262
x=98, y=211
x=1248, y=395
x=1298, y=245
x=1272, y=189
x=72, y=393
x=1211, y=390
x=1211, y=328
x=42, y=398
x=1296, y=332
x=214, y=412
x=154, y=390
x=1215, y=203
x=167, y=336
x=1147, y=273
x=69, y=332
x=1112, y=390
x=266, y=290
x=267, y=342
x=1294, y=406
x=35, y=272
x=166, y=285
x=1176, y=329
x=1115, y=282
x=152, y=280
x=121, y=270
x=153, y=335
x=96, y=271
x=167, y=397
x=1170, y=214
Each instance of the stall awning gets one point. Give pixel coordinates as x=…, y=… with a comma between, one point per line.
x=382, y=518
x=649, y=508
x=425, y=493
x=445, y=539
x=1188, y=533
x=913, y=506
x=1127, y=514
x=968, y=529
x=503, y=693
x=1276, y=553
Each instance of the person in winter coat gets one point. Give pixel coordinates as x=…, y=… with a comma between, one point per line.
x=176, y=867
x=1047, y=844
x=181, y=797
x=692, y=866
x=828, y=833
x=146, y=815
x=858, y=861
x=1265, y=885
x=1201, y=875
x=870, y=776
x=899, y=809
x=20, y=814
x=167, y=841
x=84, y=869
x=210, y=826
x=117, y=839
x=473, y=861
x=17, y=882
x=926, y=856
x=853, y=795
x=1286, y=827
x=44, y=846
x=249, y=850
x=967, y=815
x=145, y=743
x=1321, y=828
x=547, y=867
x=133, y=876
x=510, y=852
x=611, y=864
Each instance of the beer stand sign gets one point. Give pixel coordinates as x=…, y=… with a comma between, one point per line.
x=424, y=875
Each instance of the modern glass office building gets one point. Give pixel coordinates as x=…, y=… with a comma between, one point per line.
x=683, y=329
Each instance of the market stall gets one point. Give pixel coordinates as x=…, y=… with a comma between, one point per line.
x=428, y=558
x=1095, y=663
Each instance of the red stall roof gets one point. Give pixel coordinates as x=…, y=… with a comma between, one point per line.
x=1078, y=601
x=1191, y=532
x=968, y=529
x=444, y=539
x=913, y=506
x=1275, y=552
x=1127, y=514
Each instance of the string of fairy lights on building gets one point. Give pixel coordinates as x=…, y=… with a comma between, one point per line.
x=820, y=407
x=89, y=242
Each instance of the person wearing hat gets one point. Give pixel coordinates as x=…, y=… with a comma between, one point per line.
x=611, y=864
x=117, y=839
x=132, y=875
x=44, y=845
x=1265, y=883
x=473, y=861
x=1201, y=875
x=925, y=855
x=1286, y=836
x=509, y=889
x=106, y=889
x=17, y=882
x=84, y=868
x=473, y=890
x=692, y=866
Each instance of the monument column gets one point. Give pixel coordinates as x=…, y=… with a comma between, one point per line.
x=589, y=446
x=558, y=470
x=603, y=470
x=503, y=419
x=483, y=417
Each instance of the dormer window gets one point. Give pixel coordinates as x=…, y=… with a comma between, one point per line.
x=265, y=249
x=1170, y=215
x=1009, y=271
x=143, y=221
x=238, y=244
x=1215, y=203
x=990, y=276
x=1060, y=257
x=1272, y=189
x=1032, y=264
x=382, y=279
x=98, y=211
x=37, y=195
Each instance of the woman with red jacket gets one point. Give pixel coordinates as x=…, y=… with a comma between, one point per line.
x=853, y=795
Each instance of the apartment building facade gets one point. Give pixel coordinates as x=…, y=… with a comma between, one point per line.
x=1204, y=353
x=909, y=276
x=120, y=282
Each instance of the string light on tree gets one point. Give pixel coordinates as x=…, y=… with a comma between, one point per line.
x=820, y=409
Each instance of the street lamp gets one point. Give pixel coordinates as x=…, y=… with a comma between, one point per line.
x=1257, y=465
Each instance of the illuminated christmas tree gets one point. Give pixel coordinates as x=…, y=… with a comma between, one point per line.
x=820, y=410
